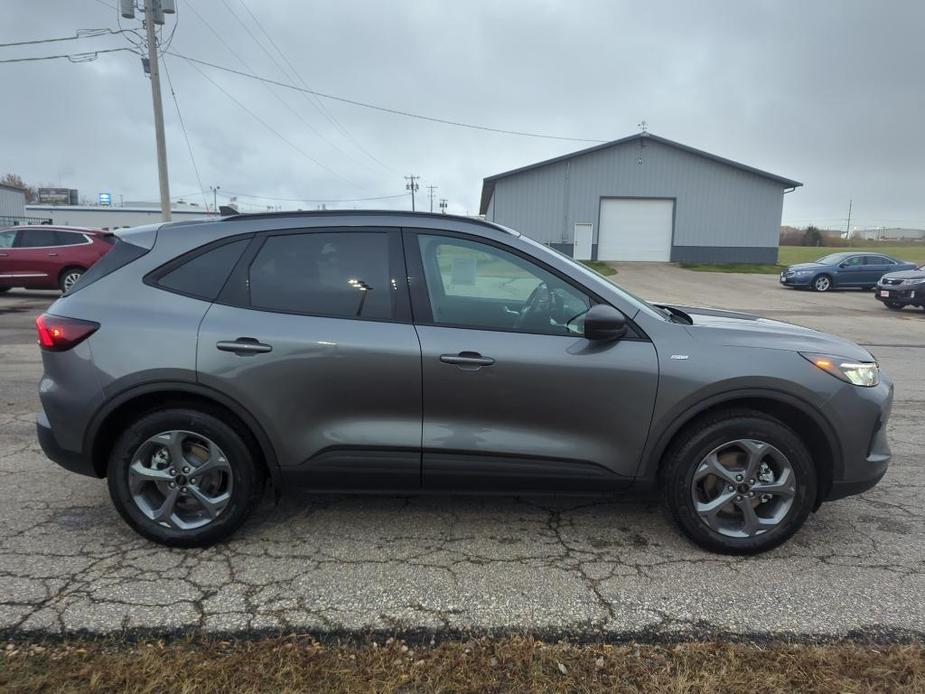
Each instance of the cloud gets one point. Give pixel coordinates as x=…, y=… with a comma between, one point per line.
x=831, y=95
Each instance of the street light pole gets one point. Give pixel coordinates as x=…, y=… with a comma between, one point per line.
x=215, y=190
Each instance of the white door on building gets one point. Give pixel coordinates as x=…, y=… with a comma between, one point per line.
x=584, y=234
x=635, y=229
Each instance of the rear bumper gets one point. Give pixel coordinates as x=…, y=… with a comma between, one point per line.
x=69, y=460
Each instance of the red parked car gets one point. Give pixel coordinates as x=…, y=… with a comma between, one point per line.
x=47, y=257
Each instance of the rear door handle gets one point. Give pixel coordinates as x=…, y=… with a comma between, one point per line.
x=52, y=253
x=467, y=359
x=243, y=346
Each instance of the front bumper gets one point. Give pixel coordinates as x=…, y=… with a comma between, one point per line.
x=861, y=416
x=69, y=460
x=795, y=280
x=914, y=295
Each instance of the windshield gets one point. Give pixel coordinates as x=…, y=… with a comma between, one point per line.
x=831, y=259
x=642, y=304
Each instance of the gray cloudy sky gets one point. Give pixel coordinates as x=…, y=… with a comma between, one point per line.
x=829, y=93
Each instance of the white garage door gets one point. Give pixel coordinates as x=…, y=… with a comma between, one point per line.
x=635, y=229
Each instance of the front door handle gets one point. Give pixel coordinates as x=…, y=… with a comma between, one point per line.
x=52, y=253
x=243, y=346
x=467, y=359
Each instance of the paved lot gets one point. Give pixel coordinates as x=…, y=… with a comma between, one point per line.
x=67, y=562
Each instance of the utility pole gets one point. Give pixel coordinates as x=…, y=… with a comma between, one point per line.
x=215, y=190
x=848, y=229
x=413, y=186
x=443, y=205
x=430, y=194
x=154, y=13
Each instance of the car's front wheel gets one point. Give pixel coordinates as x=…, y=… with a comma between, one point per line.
x=822, y=283
x=739, y=482
x=183, y=477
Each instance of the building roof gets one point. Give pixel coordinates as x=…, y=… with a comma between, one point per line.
x=7, y=186
x=488, y=184
x=111, y=210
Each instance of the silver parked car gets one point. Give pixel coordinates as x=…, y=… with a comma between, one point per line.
x=402, y=352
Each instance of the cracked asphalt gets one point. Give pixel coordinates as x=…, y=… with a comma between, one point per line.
x=588, y=568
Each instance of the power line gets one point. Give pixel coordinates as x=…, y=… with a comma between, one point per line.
x=243, y=62
x=315, y=102
x=313, y=200
x=189, y=147
x=268, y=126
x=73, y=57
x=385, y=109
x=82, y=34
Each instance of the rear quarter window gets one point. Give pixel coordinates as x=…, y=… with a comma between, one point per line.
x=203, y=273
x=121, y=255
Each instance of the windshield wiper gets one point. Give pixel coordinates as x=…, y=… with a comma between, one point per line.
x=676, y=314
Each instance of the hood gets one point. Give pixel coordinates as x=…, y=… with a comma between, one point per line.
x=906, y=275
x=805, y=266
x=729, y=328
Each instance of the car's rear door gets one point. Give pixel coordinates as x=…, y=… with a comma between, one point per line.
x=876, y=266
x=312, y=335
x=34, y=257
x=515, y=398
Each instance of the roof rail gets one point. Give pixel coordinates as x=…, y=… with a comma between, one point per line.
x=364, y=213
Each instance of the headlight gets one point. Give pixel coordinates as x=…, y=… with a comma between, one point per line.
x=860, y=373
x=802, y=272
x=913, y=281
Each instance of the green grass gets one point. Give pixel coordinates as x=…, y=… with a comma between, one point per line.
x=913, y=253
x=750, y=268
x=601, y=267
x=790, y=255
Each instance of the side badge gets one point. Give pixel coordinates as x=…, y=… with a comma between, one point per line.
x=679, y=357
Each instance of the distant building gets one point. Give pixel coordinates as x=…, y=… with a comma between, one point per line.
x=890, y=234
x=98, y=217
x=643, y=198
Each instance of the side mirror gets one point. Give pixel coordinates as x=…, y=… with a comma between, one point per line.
x=604, y=322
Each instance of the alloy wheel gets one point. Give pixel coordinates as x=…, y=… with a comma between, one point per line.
x=822, y=284
x=70, y=279
x=743, y=488
x=180, y=479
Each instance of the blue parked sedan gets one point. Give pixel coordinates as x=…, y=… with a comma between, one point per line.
x=844, y=269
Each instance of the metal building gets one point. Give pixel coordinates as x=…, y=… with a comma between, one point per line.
x=12, y=205
x=643, y=198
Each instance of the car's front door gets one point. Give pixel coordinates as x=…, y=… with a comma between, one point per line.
x=312, y=335
x=515, y=398
x=6, y=264
x=851, y=272
x=33, y=257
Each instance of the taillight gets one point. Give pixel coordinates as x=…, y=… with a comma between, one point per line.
x=58, y=334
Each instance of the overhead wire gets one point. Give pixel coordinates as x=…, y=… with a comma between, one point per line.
x=189, y=147
x=81, y=34
x=311, y=99
x=73, y=57
x=385, y=109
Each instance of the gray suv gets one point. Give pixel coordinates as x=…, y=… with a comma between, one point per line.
x=400, y=353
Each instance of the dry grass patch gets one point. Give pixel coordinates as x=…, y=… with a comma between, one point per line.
x=480, y=665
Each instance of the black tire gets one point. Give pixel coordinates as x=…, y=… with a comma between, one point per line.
x=68, y=277
x=3, y=290
x=247, y=475
x=894, y=306
x=822, y=283
x=693, y=445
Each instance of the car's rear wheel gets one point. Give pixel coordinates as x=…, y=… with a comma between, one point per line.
x=183, y=478
x=822, y=283
x=896, y=306
x=69, y=278
x=739, y=482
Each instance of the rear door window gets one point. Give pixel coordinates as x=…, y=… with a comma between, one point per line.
x=343, y=274
x=7, y=238
x=37, y=238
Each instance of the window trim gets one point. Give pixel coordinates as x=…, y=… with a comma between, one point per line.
x=86, y=239
x=236, y=292
x=420, y=298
